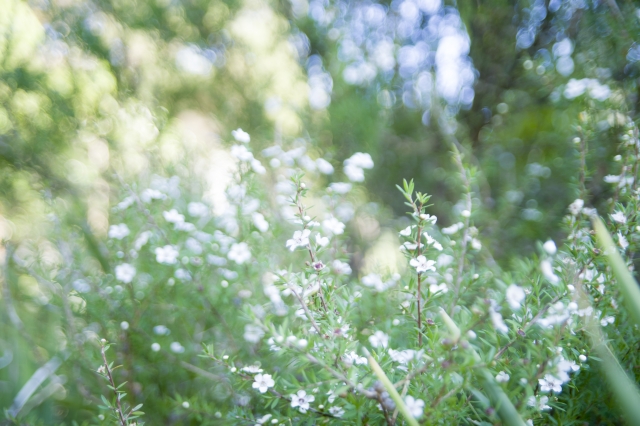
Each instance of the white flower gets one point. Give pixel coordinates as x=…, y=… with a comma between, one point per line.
x=263, y=382
x=622, y=240
x=333, y=226
x=336, y=411
x=540, y=405
x=125, y=273
x=167, y=254
x=155, y=347
x=453, y=228
x=124, y=325
x=496, y=319
x=240, y=135
x=354, y=174
x=118, y=231
x=251, y=369
x=260, y=222
x=547, y=271
x=182, y=274
x=197, y=209
x=239, y=253
x=422, y=264
x=402, y=357
x=515, y=296
x=415, y=406
x=322, y=241
x=193, y=245
x=161, y=330
x=340, y=187
x=332, y=396
x=176, y=347
x=502, y=377
x=550, y=383
x=379, y=339
x=151, y=194
x=576, y=207
x=301, y=400
x=612, y=179
x=436, y=244
x=264, y=419
x=550, y=247
x=438, y=288
x=252, y=333
x=405, y=232
x=324, y=166
x=360, y=159
x=257, y=167
x=241, y=153
x=142, y=239
x=619, y=217
x=607, y=320
x=300, y=239
x=340, y=267
x=582, y=358
x=353, y=358
x=172, y=216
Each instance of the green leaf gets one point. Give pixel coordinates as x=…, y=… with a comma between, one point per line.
x=627, y=285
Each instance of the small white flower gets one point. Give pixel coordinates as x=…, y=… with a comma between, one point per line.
x=547, y=271
x=333, y=226
x=402, y=357
x=336, y=411
x=322, y=241
x=582, y=358
x=360, y=159
x=119, y=231
x=251, y=369
x=550, y=247
x=539, y=404
x=161, y=330
x=193, y=245
x=515, y=296
x=264, y=419
x=622, y=240
x=142, y=239
x=619, y=217
x=340, y=187
x=252, y=333
x=379, y=339
x=167, y=254
x=300, y=239
x=415, y=406
x=197, y=209
x=241, y=153
x=550, y=383
x=422, y=264
x=576, y=207
x=260, y=222
x=177, y=348
x=496, y=319
x=354, y=174
x=301, y=400
x=149, y=195
x=324, y=166
x=239, y=253
x=172, y=216
x=257, y=167
x=406, y=231
x=241, y=136
x=182, y=275
x=155, y=347
x=124, y=325
x=263, y=382
x=186, y=404
x=125, y=273
x=340, y=267
x=607, y=320
x=502, y=377
x=353, y=358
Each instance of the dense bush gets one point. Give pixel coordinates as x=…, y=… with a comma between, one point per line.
x=160, y=267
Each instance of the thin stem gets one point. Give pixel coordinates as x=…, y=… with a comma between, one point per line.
x=123, y=422
x=465, y=236
x=306, y=310
x=419, y=295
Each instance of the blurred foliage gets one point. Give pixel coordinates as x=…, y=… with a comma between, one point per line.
x=96, y=93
